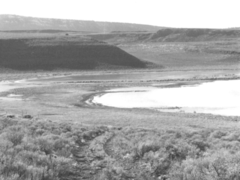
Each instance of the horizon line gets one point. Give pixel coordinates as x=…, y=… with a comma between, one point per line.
x=165, y=27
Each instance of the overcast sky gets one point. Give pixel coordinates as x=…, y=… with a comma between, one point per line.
x=169, y=13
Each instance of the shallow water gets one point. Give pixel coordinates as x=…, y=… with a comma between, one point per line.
x=219, y=97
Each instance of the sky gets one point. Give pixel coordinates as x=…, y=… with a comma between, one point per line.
x=167, y=13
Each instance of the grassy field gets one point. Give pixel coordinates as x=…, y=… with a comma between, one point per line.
x=203, y=55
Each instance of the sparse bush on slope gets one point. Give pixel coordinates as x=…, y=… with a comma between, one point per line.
x=25, y=156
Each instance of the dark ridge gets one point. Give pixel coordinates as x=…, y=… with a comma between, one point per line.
x=62, y=53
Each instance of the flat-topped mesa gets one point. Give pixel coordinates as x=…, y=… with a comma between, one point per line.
x=63, y=53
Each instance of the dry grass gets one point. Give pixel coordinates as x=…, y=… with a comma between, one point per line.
x=188, y=55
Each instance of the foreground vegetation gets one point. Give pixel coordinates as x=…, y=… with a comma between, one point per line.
x=44, y=150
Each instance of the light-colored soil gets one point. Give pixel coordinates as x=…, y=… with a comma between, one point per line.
x=65, y=101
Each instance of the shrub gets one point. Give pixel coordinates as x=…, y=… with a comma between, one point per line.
x=14, y=134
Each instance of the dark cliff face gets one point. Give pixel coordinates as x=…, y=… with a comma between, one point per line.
x=62, y=53
x=13, y=22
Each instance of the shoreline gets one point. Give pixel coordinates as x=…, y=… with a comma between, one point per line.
x=86, y=99
x=89, y=100
x=235, y=77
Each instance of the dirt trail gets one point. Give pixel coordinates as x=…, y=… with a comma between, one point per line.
x=108, y=146
x=90, y=153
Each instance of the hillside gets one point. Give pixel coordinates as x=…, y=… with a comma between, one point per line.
x=166, y=48
x=14, y=22
x=181, y=48
x=189, y=35
x=63, y=52
x=170, y=35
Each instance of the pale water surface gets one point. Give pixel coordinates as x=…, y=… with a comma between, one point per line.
x=218, y=97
